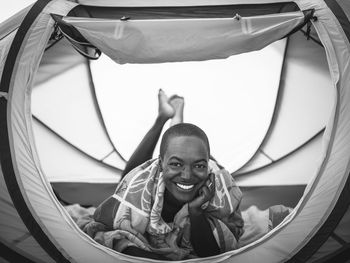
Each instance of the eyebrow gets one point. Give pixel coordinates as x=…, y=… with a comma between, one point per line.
x=174, y=157
x=201, y=160
x=179, y=159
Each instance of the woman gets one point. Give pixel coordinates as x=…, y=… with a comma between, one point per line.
x=178, y=206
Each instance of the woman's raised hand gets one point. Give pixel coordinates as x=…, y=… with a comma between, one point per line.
x=206, y=193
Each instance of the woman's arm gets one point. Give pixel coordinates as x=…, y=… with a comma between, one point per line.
x=202, y=238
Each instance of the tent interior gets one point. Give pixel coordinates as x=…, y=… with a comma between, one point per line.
x=264, y=110
x=272, y=153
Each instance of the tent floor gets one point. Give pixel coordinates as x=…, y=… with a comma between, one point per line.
x=92, y=194
x=85, y=194
x=266, y=196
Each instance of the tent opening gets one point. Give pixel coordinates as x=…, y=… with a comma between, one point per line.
x=57, y=129
x=252, y=117
x=259, y=119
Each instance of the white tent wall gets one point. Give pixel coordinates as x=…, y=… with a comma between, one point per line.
x=279, y=245
x=77, y=119
x=295, y=169
x=305, y=103
x=68, y=164
x=292, y=149
x=282, y=181
x=64, y=77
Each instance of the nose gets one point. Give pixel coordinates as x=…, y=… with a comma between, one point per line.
x=186, y=173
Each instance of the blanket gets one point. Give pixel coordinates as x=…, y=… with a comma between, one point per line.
x=257, y=223
x=132, y=216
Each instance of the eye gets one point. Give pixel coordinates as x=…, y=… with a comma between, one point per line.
x=175, y=164
x=200, y=166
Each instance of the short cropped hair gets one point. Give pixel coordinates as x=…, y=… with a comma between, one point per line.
x=182, y=129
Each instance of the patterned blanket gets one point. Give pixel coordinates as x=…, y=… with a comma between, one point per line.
x=132, y=216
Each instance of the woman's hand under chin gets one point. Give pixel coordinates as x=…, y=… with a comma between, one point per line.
x=206, y=193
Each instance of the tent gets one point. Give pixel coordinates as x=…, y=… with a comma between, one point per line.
x=39, y=58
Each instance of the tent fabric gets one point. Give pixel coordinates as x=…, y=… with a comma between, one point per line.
x=185, y=78
x=59, y=66
x=324, y=199
x=13, y=229
x=147, y=3
x=12, y=23
x=342, y=17
x=19, y=200
x=57, y=59
x=205, y=38
x=281, y=172
x=12, y=255
x=173, y=12
x=79, y=114
x=261, y=160
x=82, y=166
x=296, y=92
x=339, y=70
x=313, y=247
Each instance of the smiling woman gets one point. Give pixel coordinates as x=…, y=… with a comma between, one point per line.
x=178, y=206
x=184, y=163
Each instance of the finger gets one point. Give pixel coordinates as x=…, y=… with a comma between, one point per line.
x=212, y=179
x=205, y=190
x=211, y=182
x=207, y=194
x=208, y=182
x=197, y=202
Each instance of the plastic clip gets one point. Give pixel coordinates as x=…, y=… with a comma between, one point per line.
x=237, y=17
x=125, y=18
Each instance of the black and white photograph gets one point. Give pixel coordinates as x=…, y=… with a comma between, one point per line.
x=175, y=131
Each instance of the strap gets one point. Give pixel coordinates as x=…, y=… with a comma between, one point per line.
x=78, y=41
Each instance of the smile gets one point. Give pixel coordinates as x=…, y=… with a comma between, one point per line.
x=185, y=187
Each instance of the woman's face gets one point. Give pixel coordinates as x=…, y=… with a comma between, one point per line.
x=185, y=167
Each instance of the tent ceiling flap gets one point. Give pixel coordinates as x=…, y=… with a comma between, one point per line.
x=171, y=3
x=173, y=40
x=158, y=12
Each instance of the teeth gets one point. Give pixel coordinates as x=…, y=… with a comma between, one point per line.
x=185, y=187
